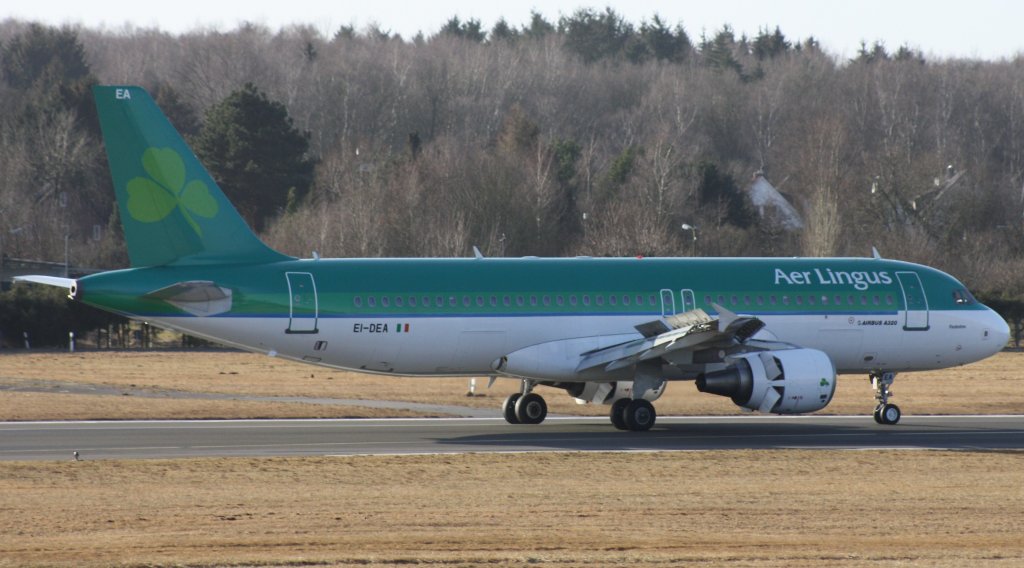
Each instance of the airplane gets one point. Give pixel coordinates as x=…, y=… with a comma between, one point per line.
x=770, y=333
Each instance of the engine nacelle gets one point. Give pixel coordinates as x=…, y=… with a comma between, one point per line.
x=608, y=393
x=789, y=381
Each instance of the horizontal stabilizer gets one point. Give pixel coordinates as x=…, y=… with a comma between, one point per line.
x=66, y=283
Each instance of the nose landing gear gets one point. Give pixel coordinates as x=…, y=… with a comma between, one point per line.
x=885, y=412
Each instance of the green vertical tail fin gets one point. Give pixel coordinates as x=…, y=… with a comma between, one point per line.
x=171, y=209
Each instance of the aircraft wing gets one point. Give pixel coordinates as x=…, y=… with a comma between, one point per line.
x=689, y=331
x=605, y=358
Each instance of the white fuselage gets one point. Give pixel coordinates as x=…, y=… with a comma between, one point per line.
x=454, y=345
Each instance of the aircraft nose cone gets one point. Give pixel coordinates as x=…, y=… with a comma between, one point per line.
x=999, y=331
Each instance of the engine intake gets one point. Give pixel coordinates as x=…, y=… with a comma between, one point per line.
x=791, y=381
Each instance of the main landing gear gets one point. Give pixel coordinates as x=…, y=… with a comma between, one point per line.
x=526, y=407
x=635, y=415
x=885, y=412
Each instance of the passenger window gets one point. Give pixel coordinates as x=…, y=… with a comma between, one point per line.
x=639, y=300
x=412, y=301
x=760, y=300
x=426, y=301
x=465, y=301
x=799, y=300
x=824, y=300
x=494, y=301
x=707, y=299
x=721, y=300
x=651, y=300
x=746, y=300
x=385, y=301
x=480, y=301
x=519, y=301
x=851, y=300
x=772, y=299
x=625, y=300
x=863, y=300
x=452, y=301
x=560, y=300
x=785, y=300
x=372, y=301
x=839, y=300
x=533, y=300
x=613, y=299
x=888, y=299
x=547, y=300
x=876, y=300
x=358, y=301
x=734, y=299
x=399, y=301
x=599, y=299
x=506, y=301
x=572, y=300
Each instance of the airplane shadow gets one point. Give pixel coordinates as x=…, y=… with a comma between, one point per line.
x=737, y=435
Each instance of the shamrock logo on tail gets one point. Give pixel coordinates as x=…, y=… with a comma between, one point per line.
x=153, y=198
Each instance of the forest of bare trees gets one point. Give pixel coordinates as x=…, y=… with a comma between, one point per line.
x=589, y=135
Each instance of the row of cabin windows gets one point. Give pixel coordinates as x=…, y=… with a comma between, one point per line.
x=534, y=300
x=507, y=301
x=800, y=300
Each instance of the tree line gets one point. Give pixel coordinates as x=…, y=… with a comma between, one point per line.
x=587, y=135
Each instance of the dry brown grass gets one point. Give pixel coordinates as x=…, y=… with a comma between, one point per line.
x=742, y=508
x=993, y=386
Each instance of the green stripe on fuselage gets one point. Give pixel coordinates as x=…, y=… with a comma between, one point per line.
x=262, y=290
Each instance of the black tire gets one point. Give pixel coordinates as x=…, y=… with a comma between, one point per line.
x=618, y=413
x=877, y=414
x=508, y=408
x=531, y=409
x=640, y=415
x=890, y=414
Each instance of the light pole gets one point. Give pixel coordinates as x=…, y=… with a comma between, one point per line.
x=693, y=231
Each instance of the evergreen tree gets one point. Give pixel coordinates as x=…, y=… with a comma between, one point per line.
x=503, y=32
x=539, y=27
x=43, y=57
x=769, y=45
x=595, y=35
x=251, y=148
x=718, y=189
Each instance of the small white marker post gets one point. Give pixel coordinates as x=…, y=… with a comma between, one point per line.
x=71, y=342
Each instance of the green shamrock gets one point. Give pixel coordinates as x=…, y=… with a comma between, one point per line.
x=151, y=199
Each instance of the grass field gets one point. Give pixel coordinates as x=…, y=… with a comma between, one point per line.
x=741, y=508
x=995, y=385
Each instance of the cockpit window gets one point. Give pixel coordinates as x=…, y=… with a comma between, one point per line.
x=963, y=297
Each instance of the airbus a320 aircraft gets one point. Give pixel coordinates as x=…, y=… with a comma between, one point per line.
x=769, y=333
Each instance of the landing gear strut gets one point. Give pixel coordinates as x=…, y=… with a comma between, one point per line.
x=885, y=413
x=526, y=407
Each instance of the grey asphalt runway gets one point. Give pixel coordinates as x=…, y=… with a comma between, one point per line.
x=177, y=439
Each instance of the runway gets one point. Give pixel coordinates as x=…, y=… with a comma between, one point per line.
x=179, y=439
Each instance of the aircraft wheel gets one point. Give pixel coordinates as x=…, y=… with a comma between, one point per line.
x=531, y=409
x=618, y=413
x=889, y=414
x=877, y=414
x=639, y=415
x=508, y=408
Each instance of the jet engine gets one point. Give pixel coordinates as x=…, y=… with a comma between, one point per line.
x=790, y=381
x=607, y=393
